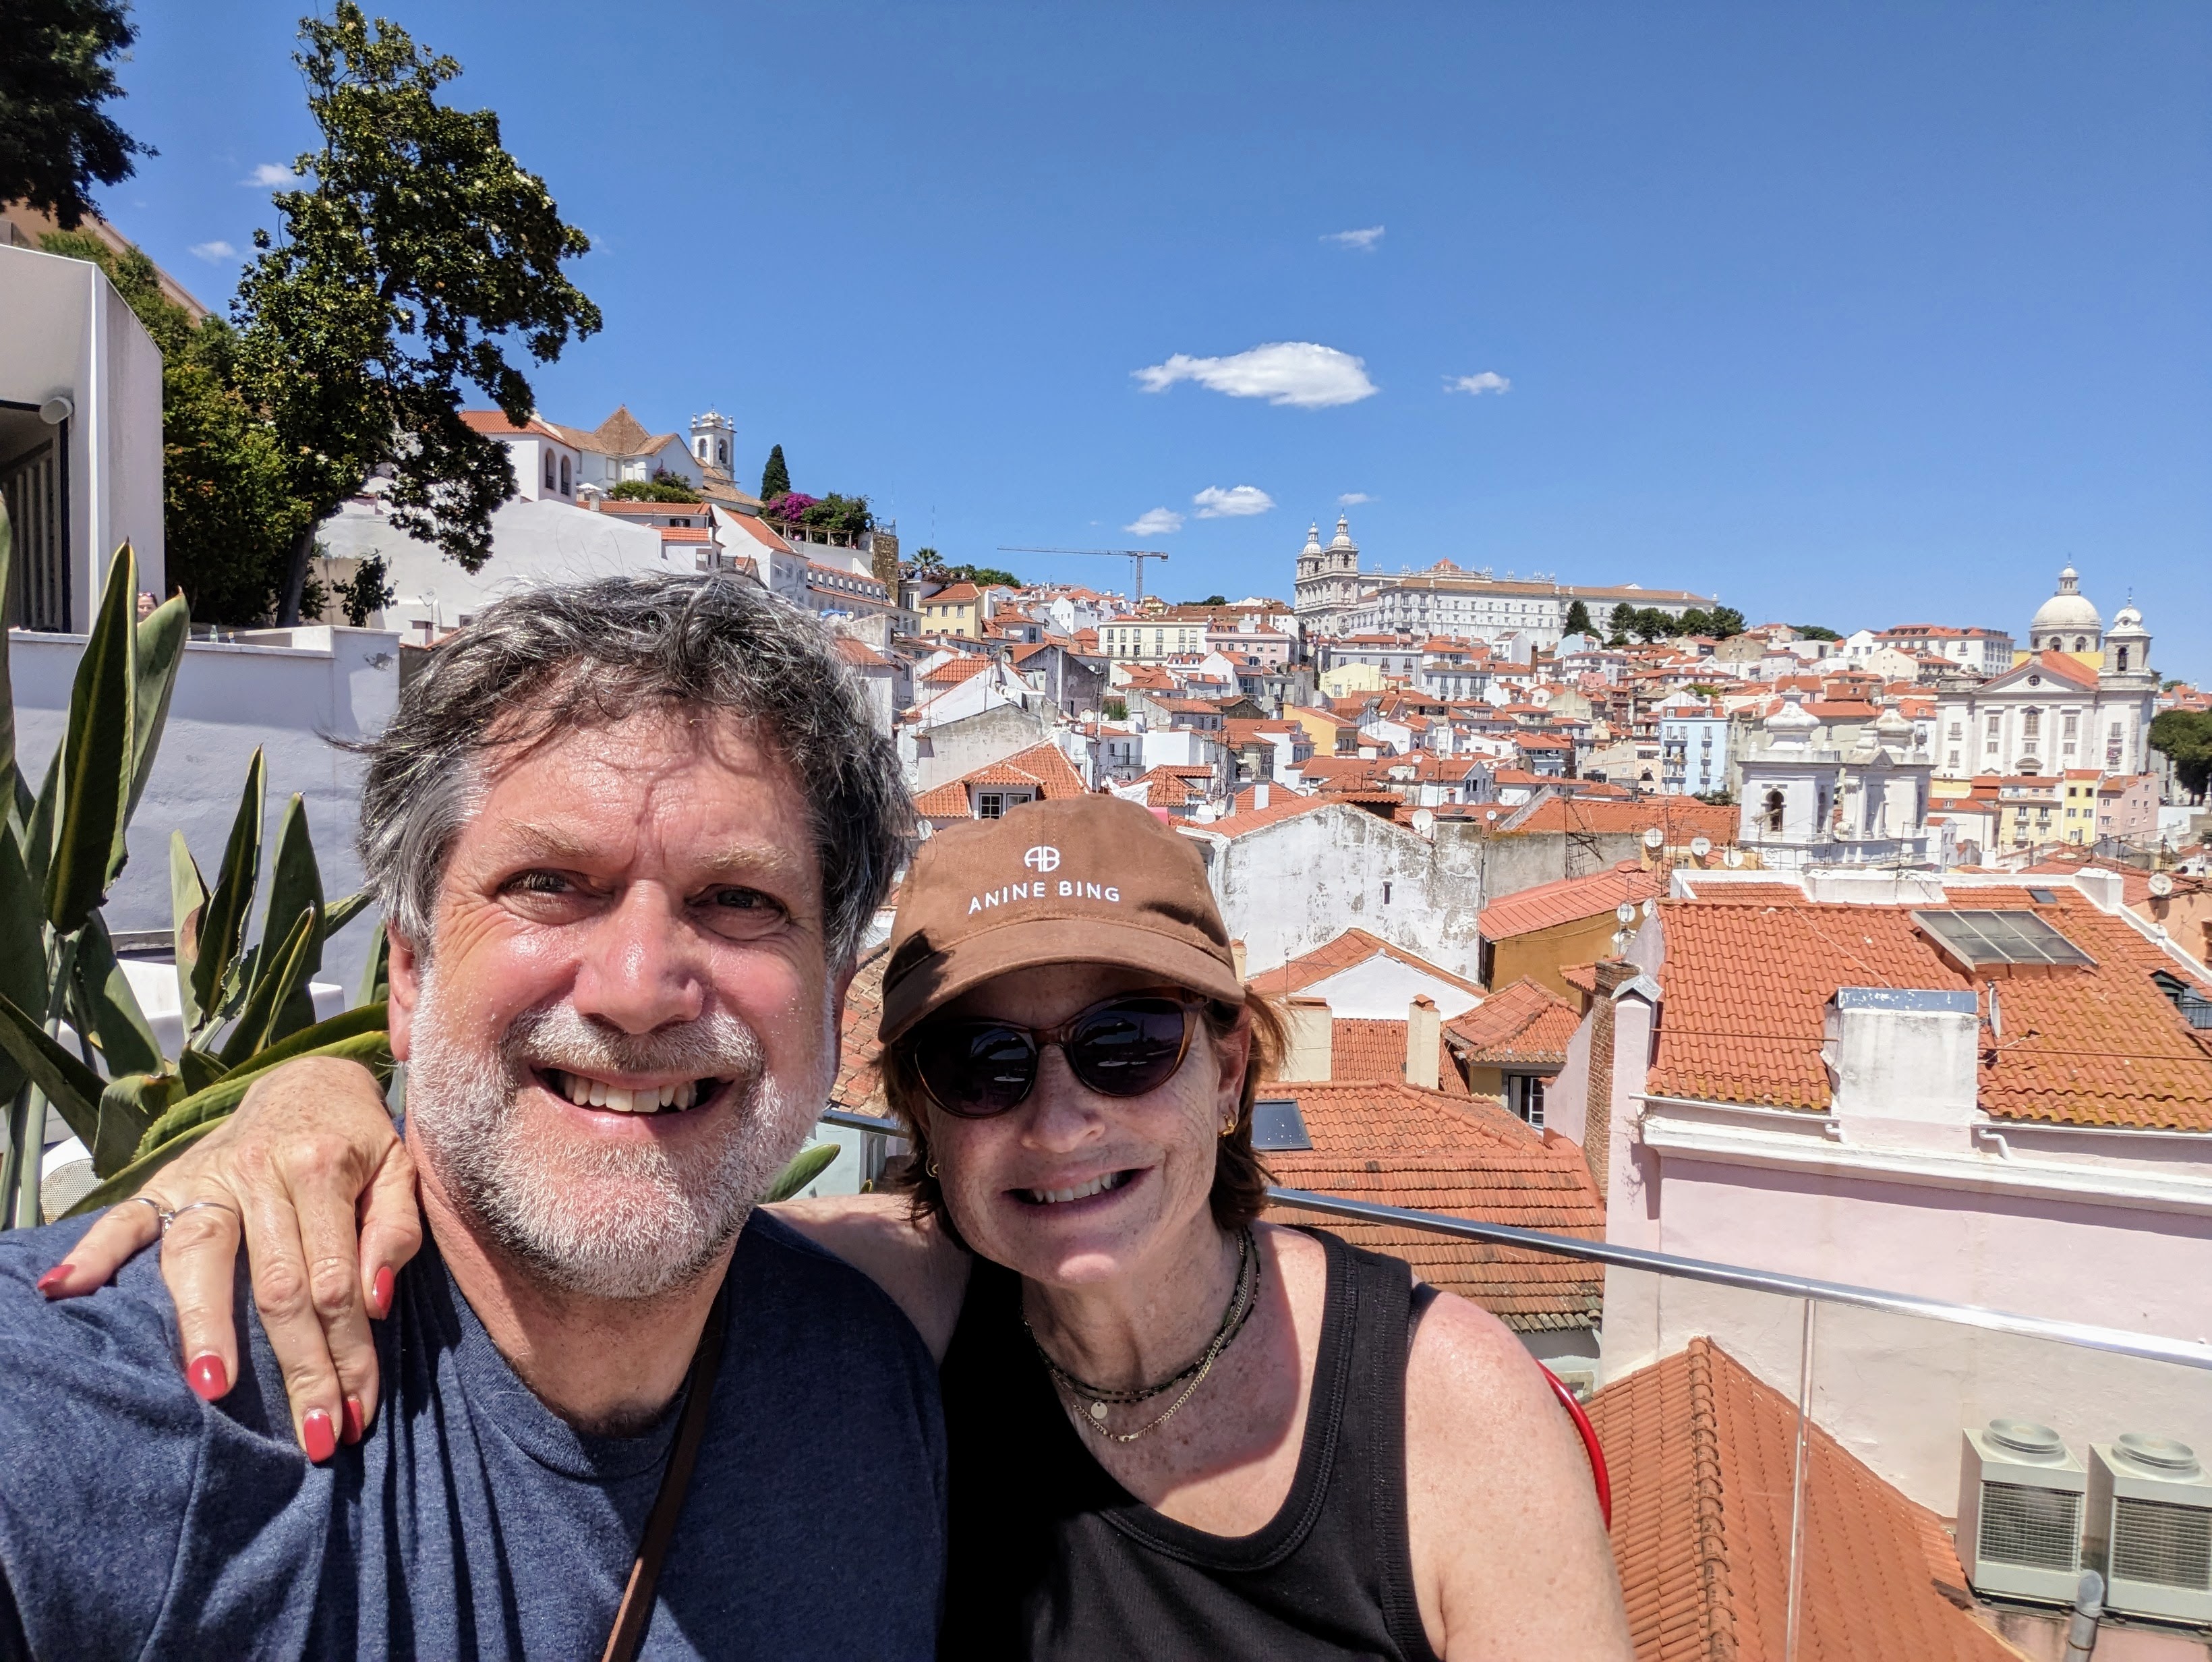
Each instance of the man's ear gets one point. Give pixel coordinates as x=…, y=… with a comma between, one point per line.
x=404, y=973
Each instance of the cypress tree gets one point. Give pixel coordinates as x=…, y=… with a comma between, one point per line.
x=1578, y=620
x=776, y=478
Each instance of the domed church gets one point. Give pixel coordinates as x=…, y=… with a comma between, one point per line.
x=2080, y=697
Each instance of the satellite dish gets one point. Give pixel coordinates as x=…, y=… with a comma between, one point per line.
x=1734, y=857
x=1701, y=846
x=1655, y=838
x=57, y=409
x=1625, y=911
x=2161, y=885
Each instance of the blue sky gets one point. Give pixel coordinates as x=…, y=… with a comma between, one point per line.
x=1853, y=314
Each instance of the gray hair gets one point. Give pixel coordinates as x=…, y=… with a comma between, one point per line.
x=591, y=654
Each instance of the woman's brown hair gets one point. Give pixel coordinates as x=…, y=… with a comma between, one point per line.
x=1240, y=1181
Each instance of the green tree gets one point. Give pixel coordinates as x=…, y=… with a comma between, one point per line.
x=983, y=576
x=1210, y=600
x=420, y=253
x=662, y=487
x=1622, y=621
x=1696, y=621
x=1578, y=620
x=228, y=516
x=776, y=478
x=2184, y=737
x=1727, y=621
x=56, y=60
x=1816, y=632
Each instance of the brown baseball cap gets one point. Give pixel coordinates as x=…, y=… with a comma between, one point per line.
x=1086, y=880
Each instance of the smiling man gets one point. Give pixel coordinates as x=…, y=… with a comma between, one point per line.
x=627, y=835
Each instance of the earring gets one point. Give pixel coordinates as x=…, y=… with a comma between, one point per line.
x=1229, y=1129
x=933, y=1166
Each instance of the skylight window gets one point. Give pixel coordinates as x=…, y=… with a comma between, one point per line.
x=1980, y=939
x=1276, y=1125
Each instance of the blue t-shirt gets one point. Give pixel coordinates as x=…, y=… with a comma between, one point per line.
x=138, y=1521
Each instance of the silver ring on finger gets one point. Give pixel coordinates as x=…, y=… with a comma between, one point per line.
x=172, y=1215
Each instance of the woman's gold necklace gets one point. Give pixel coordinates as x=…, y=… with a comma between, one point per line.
x=1243, y=1298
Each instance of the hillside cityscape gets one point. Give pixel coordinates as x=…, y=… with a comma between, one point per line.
x=1795, y=1028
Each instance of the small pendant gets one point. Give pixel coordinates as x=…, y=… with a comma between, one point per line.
x=1098, y=1412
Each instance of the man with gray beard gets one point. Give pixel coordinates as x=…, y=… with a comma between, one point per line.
x=627, y=835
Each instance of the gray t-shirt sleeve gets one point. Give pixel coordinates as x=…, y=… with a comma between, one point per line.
x=114, y=1476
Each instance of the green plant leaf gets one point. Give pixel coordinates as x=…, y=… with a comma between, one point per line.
x=39, y=833
x=188, y=897
x=88, y=847
x=808, y=1164
x=223, y=920
x=161, y=640
x=106, y=1011
x=342, y=911
x=296, y=884
x=356, y=1036
x=285, y=969
x=7, y=686
x=22, y=949
x=199, y=1069
x=128, y=1108
x=376, y=974
x=127, y=1182
x=73, y=1088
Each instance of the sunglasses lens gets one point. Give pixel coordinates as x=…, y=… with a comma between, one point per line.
x=977, y=1071
x=1130, y=1048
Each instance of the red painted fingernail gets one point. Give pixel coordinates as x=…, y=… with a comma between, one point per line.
x=316, y=1434
x=379, y=1293
x=350, y=1420
x=54, y=1282
x=210, y=1377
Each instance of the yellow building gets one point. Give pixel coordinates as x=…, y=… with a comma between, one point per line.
x=955, y=610
x=1347, y=679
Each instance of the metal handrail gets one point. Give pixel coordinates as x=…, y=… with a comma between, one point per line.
x=2186, y=1353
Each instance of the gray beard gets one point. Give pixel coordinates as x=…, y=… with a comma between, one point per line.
x=602, y=1221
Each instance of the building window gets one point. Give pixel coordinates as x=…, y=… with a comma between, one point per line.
x=2072, y=726
x=564, y=476
x=2123, y=662
x=990, y=805
x=2030, y=724
x=548, y=469
x=1774, y=805
x=2081, y=643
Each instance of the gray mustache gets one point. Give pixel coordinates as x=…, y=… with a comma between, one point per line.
x=718, y=1045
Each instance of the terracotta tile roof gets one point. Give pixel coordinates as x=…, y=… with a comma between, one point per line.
x=860, y=653
x=1583, y=976
x=1747, y=983
x=1701, y=1456
x=1524, y=1024
x=1366, y=1050
x=1399, y=1146
x=686, y=533
x=860, y=1087
x=1352, y=946
x=2064, y=667
x=1285, y=805
x=1681, y=818
x=954, y=671
x=1568, y=901
x=1041, y=765
x=494, y=423
x=954, y=594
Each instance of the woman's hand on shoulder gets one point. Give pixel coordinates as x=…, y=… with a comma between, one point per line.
x=310, y=1175
x=911, y=1259
x=1511, y=1558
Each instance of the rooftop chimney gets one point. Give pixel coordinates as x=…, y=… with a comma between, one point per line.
x=1903, y=1056
x=1312, y=1036
x=1424, y=1037
x=1259, y=796
x=1611, y=974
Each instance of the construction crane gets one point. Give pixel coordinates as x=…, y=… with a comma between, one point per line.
x=1136, y=556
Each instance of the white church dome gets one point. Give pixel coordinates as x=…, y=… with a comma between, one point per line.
x=1343, y=538
x=2068, y=612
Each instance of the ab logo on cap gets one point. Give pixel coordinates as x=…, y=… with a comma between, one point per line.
x=1042, y=859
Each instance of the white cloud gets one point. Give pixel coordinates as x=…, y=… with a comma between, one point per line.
x=214, y=251
x=1363, y=240
x=1154, y=522
x=1353, y=498
x=1294, y=371
x=1488, y=382
x=268, y=176
x=1236, y=502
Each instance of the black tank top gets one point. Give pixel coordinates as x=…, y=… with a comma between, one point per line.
x=1051, y=1558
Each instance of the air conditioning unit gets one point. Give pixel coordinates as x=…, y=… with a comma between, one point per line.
x=2150, y=1528
x=2020, y=1512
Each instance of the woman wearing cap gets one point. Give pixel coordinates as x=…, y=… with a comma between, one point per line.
x=1172, y=1430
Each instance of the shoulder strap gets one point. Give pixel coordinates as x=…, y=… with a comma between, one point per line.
x=636, y=1612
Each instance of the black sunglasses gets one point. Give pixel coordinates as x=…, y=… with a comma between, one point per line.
x=1121, y=1046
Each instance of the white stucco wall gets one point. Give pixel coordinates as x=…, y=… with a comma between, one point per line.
x=1287, y=888
x=343, y=683
x=533, y=543
x=67, y=332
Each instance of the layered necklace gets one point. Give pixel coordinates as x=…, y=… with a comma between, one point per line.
x=1095, y=1400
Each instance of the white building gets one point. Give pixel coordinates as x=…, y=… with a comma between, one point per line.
x=80, y=437
x=1694, y=752
x=2064, y=705
x=1804, y=805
